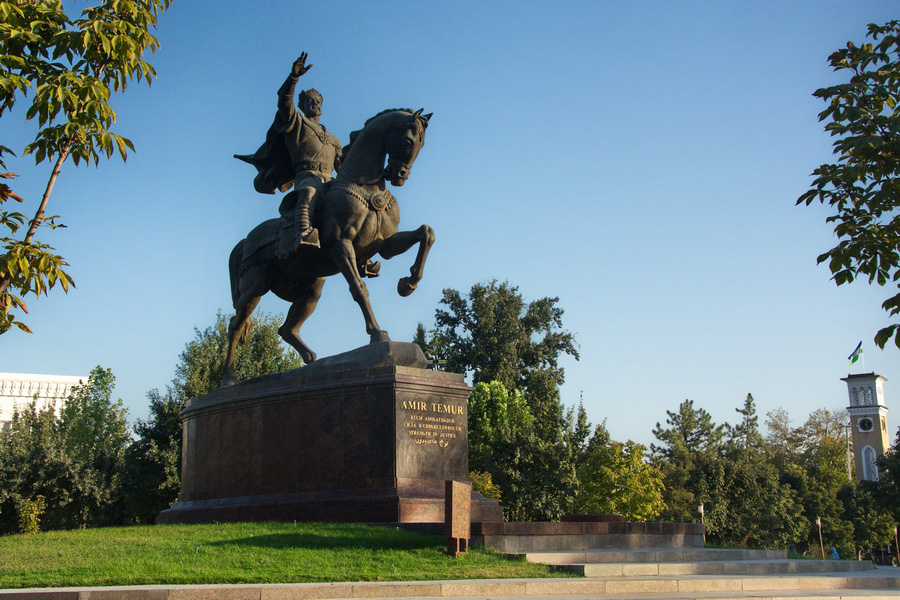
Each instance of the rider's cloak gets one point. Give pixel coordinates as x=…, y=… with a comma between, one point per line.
x=272, y=160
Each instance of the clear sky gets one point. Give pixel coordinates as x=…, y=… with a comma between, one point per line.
x=639, y=160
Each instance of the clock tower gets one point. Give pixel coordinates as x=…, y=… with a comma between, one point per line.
x=868, y=422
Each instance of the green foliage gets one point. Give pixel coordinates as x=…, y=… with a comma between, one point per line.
x=746, y=504
x=200, y=368
x=862, y=186
x=33, y=463
x=691, y=434
x=74, y=461
x=153, y=462
x=495, y=415
x=70, y=67
x=887, y=488
x=536, y=478
x=484, y=485
x=495, y=335
x=30, y=514
x=512, y=348
x=615, y=479
x=94, y=431
x=744, y=441
x=812, y=460
x=873, y=526
x=30, y=267
x=768, y=491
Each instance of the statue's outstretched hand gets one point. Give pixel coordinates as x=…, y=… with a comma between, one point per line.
x=300, y=67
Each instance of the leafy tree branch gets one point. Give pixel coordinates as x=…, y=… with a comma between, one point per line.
x=70, y=67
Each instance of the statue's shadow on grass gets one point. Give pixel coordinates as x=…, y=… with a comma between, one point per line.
x=313, y=541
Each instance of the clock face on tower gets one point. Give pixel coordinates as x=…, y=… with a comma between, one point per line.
x=865, y=424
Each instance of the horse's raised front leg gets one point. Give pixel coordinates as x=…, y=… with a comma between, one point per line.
x=345, y=258
x=402, y=241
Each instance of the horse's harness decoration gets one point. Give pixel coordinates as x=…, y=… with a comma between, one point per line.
x=376, y=200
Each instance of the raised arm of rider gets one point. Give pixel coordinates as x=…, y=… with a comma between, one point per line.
x=286, y=95
x=286, y=91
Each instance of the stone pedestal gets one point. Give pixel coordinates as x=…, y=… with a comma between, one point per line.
x=341, y=443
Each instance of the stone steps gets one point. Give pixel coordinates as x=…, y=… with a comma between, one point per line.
x=743, y=586
x=667, y=563
x=651, y=555
x=523, y=538
x=754, y=567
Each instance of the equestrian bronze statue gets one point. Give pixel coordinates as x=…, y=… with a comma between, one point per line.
x=327, y=226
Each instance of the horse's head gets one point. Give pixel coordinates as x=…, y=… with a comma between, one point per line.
x=403, y=143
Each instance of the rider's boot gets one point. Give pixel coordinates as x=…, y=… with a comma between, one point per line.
x=306, y=234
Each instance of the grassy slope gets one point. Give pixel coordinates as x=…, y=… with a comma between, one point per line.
x=241, y=553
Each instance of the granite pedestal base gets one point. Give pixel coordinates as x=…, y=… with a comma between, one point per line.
x=347, y=444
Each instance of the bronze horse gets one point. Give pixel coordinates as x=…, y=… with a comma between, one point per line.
x=357, y=218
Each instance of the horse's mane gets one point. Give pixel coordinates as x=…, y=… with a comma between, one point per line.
x=353, y=134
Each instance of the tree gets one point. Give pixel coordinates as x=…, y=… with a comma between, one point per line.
x=615, y=479
x=200, y=368
x=887, y=488
x=691, y=434
x=94, y=431
x=74, y=462
x=746, y=504
x=536, y=478
x=152, y=477
x=744, y=439
x=33, y=465
x=689, y=442
x=812, y=460
x=782, y=440
x=862, y=186
x=72, y=66
x=494, y=335
x=873, y=524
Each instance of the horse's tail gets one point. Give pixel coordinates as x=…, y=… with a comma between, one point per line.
x=234, y=271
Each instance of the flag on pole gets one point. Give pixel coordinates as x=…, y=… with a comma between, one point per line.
x=856, y=354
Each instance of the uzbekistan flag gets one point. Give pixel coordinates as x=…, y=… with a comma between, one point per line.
x=856, y=354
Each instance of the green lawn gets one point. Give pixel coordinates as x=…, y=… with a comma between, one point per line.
x=241, y=553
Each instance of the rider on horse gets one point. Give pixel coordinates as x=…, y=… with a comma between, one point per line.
x=298, y=152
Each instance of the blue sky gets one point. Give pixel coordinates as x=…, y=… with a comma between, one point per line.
x=639, y=160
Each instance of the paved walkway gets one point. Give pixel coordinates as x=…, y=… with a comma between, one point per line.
x=813, y=587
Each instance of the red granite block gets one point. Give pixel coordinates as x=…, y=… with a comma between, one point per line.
x=591, y=518
x=636, y=528
x=569, y=528
x=534, y=528
x=618, y=528
x=596, y=528
x=654, y=528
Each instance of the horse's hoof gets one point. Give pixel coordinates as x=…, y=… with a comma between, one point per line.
x=405, y=286
x=379, y=336
x=229, y=380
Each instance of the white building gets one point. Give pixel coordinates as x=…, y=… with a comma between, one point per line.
x=20, y=389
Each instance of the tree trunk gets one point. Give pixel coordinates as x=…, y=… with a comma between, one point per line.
x=39, y=215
